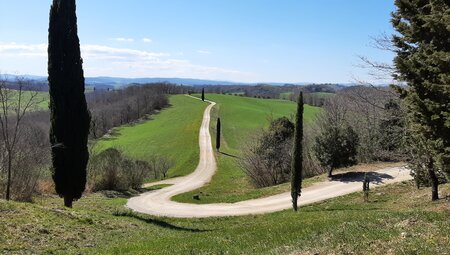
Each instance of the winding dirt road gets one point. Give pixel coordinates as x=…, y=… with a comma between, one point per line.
x=158, y=202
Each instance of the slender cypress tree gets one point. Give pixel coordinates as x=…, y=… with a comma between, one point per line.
x=203, y=94
x=70, y=117
x=297, y=155
x=218, y=129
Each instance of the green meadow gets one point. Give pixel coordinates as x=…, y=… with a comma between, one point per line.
x=172, y=133
x=241, y=118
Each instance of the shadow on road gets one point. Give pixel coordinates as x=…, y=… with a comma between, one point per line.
x=374, y=177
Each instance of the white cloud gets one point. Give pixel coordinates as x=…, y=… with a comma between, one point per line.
x=92, y=51
x=122, y=39
x=204, y=52
x=147, y=40
x=101, y=60
x=24, y=50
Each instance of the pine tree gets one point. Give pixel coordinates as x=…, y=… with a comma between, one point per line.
x=297, y=155
x=422, y=61
x=218, y=130
x=336, y=146
x=70, y=117
x=203, y=94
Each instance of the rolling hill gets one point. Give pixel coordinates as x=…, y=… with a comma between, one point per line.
x=241, y=117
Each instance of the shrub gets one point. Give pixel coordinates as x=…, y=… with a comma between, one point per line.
x=336, y=147
x=30, y=160
x=110, y=170
x=267, y=158
x=159, y=166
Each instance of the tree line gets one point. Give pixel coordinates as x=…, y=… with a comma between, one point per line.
x=118, y=107
x=25, y=156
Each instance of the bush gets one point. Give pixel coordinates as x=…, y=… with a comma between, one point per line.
x=311, y=165
x=159, y=166
x=267, y=158
x=30, y=160
x=336, y=147
x=110, y=170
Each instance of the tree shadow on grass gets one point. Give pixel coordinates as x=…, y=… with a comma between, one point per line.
x=374, y=177
x=228, y=155
x=369, y=207
x=159, y=223
x=167, y=225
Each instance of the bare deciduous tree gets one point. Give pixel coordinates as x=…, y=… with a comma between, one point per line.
x=15, y=103
x=160, y=166
x=266, y=158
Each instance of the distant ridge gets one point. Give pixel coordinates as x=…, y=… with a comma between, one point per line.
x=116, y=82
x=119, y=82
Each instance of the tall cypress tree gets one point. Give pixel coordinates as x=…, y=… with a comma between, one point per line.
x=422, y=61
x=218, y=129
x=297, y=155
x=203, y=94
x=70, y=117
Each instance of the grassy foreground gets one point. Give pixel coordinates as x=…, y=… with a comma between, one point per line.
x=173, y=133
x=241, y=117
x=399, y=219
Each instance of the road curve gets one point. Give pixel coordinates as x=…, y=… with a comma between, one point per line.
x=158, y=202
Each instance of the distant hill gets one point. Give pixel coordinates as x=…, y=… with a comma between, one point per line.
x=116, y=82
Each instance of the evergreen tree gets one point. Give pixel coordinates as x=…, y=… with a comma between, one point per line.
x=218, y=130
x=297, y=155
x=336, y=147
x=70, y=117
x=422, y=61
x=203, y=94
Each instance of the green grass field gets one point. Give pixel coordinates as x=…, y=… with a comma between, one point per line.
x=399, y=219
x=40, y=102
x=324, y=94
x=285, y=95
x=42, y=99
x=241, y=117
x=172, y=133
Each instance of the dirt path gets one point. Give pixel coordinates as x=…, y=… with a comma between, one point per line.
x=158, y=202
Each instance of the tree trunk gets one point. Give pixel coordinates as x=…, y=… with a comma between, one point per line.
x=8, y=183
x=330, y=172
x=434, y=180
x=68, y=201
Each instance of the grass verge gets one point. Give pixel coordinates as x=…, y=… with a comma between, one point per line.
x=399, y=219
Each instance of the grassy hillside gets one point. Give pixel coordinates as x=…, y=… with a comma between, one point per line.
x=324, y=94
x=285, y=95
x=172, y=133
x=42, y=99
x=241, y=117
x=399, y=219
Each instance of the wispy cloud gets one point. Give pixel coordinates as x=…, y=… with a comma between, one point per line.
x=101, y=60
x=23, y=50
x=122, y=39
x=147, y=40
x=206, y=52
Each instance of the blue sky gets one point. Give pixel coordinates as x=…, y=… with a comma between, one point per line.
x=233, y=40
